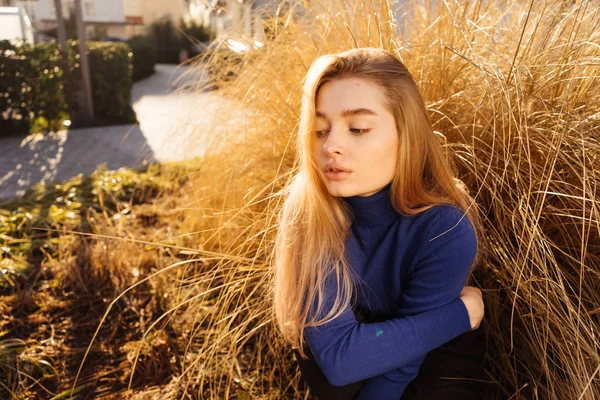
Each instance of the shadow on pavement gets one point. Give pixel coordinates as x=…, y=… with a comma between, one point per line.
x=25, y=162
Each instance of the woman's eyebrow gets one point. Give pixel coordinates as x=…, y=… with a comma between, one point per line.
x=349, y=113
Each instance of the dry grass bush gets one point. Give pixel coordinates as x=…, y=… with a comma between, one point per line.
x=513, y=91
x=84, y=242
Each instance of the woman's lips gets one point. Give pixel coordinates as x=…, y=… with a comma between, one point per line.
x=336, y=176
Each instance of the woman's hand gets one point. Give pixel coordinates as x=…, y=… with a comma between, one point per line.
x=473, y=300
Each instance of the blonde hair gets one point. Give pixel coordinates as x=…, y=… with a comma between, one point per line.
x=314, y=225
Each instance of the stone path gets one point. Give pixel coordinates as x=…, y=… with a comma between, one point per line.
x=172, y=121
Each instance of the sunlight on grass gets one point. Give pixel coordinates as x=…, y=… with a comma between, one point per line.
x=157, y=283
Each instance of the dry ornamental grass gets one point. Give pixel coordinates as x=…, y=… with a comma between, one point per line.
x=512, y=89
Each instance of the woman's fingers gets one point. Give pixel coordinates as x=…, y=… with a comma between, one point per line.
x=473, y=299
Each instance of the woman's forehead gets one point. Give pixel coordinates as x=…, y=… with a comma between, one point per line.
x=349, y=97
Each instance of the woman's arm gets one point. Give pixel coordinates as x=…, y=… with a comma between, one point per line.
x=438, y=277
x=432, y=313
x=392, y=384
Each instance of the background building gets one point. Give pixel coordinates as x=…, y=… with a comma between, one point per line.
x=139, y=14
x=101, y=17
x=125, y=18
x=106, y=18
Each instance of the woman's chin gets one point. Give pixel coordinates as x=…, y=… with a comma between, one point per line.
x=340, y=189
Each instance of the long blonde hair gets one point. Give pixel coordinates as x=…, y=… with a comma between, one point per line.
x=314, y=225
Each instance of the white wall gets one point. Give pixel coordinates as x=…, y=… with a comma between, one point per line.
x=28, y=5
x=132, y=7
x=106, y=10
x=153, y=10
x=14, y=24
x=112, y=12
x=93, y=10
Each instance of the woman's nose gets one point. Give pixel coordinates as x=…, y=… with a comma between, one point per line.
x=334, y=143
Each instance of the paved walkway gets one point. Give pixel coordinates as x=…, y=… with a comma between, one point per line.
x=172, y=126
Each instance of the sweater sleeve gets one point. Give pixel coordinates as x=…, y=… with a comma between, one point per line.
x=391, y=385
x=432, y=313
x=439, y=274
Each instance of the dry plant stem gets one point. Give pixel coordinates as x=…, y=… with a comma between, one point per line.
x=513, y=92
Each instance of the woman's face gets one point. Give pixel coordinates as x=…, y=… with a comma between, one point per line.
x=354, y=132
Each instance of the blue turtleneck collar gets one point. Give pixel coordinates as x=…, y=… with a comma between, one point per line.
x=375, y=209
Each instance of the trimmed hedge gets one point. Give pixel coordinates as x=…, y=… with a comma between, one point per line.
x=39, y=89
x=110, y=70
x=144, y=56
x=30, y=86
x=167, y=40
x=170, y=40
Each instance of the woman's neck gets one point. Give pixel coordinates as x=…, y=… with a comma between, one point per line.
x=373, y=210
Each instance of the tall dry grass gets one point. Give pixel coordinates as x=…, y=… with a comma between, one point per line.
x=512, y=88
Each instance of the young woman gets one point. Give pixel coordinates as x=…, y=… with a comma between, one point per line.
x=376, y=242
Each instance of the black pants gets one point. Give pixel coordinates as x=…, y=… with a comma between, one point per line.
x=461, y=358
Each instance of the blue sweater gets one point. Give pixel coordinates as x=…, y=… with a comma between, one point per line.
x=412, y=270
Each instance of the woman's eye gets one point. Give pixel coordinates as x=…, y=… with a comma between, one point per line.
x=359, y=131
x=355, y=131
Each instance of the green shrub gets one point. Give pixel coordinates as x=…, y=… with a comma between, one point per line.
x=144, y=56
x=167, y=40
x=193, y=33
x=30, y=87
x=110, y=70
x=170, y=40
x=39, y=89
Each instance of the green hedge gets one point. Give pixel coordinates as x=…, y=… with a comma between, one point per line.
x=110, y=70
x=38, y=89
x=144, y=56
x=30, y=86
x=170, y=39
